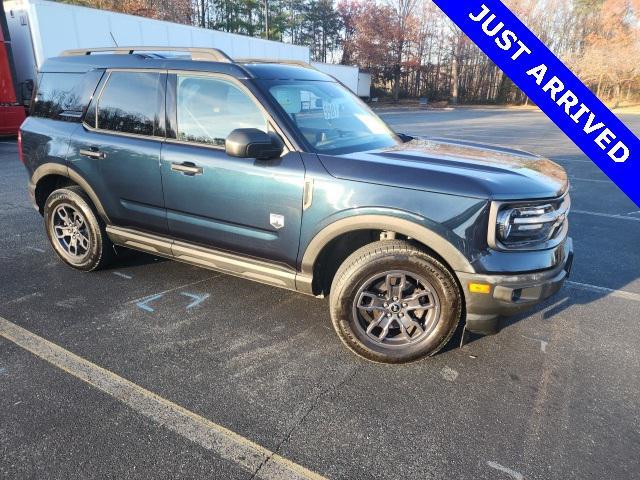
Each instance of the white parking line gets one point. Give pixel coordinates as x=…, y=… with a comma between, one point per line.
x=609, y=291
x=250, y=456
x=512, y=473
x=606, y=215
x=596, y=180
x=123, y=275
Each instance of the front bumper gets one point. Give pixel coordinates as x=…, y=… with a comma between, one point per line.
x=513, y=293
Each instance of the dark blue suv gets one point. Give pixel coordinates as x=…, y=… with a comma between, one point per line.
x=277, y=173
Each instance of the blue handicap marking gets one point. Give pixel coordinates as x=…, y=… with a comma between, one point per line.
x=553, y=87
x=197, y=299
x=144, y=303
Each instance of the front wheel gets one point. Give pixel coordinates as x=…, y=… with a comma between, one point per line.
x=393, y=303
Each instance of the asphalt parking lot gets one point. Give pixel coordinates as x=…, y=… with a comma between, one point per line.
x=554, y=395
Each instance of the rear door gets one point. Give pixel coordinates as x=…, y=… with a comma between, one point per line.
x=118, y=148
x=244, y=205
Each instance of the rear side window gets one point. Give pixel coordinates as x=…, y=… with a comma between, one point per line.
x=64, y=96
x=130, y=103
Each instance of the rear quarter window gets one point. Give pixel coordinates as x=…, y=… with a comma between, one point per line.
x=64, y=96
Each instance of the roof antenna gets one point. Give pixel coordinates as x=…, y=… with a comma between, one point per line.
x=113, y=38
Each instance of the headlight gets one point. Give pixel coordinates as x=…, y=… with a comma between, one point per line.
x=529, y=225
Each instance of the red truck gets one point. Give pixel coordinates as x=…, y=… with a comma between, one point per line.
x=12, y=113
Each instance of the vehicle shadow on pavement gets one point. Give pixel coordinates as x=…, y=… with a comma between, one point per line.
x=566, y=298
x=571, y=294
x=132, y=258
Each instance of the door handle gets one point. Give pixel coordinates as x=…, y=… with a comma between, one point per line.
x=93, y=152
x=186, y=168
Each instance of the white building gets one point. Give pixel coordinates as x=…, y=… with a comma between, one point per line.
x=41, y=29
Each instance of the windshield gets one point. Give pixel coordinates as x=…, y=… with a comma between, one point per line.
x=331, y=118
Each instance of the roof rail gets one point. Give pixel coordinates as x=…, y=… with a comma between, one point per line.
x=197, y=53
x=300, y=63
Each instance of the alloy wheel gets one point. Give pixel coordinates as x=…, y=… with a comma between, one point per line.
x=69, y=227
x=396, y=309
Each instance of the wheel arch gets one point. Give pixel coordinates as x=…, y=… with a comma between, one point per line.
x=327, y=237
x=46, y=176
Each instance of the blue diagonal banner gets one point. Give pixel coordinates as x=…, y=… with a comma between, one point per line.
x=553, y=87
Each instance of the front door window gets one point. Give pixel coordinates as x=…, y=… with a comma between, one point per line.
x=208, y=109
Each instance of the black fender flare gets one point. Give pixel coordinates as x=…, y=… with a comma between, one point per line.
x=47, y=169
x=440, y=245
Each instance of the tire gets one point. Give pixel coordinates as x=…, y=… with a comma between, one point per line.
x=363, y=291
x=70, y=219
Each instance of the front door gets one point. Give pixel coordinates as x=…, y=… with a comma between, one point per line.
x=243, y=205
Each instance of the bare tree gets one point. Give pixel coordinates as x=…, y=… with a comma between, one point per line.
x=403, y=10
x=411, y=48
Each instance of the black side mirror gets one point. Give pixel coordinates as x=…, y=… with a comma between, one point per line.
x=252, y=143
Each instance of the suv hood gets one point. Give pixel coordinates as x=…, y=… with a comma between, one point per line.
x=454, y=167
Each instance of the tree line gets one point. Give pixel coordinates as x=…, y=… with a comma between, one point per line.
x=413, y=50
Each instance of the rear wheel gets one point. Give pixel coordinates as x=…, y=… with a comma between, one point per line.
x=392, y=302
x=76, y=233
